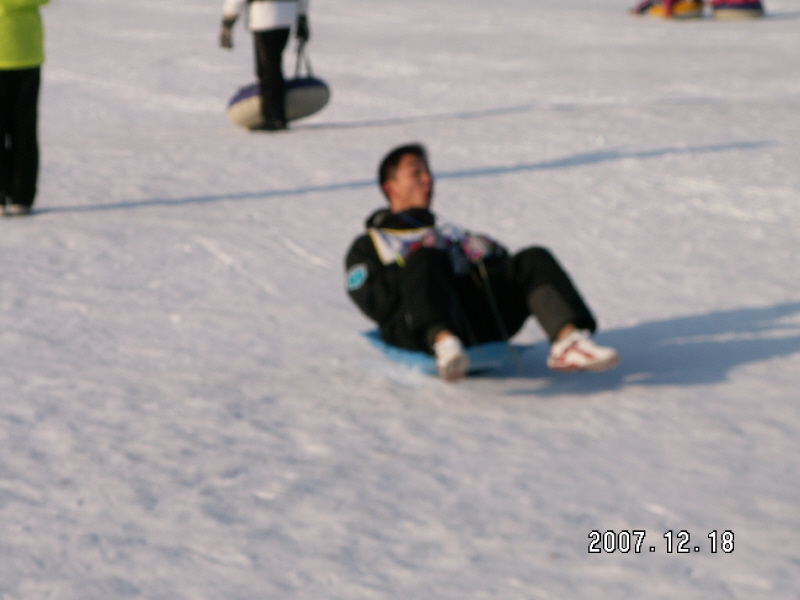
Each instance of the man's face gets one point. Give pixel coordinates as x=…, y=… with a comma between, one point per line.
x=411, y=186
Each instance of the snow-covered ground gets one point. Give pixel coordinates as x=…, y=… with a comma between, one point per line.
x=188, y=411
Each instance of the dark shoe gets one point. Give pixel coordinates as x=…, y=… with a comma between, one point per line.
x=276, y=125
x=737, y=9
x=16, y=210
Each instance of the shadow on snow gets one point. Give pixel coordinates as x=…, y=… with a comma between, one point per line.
x=577, y=160
x=693, y=350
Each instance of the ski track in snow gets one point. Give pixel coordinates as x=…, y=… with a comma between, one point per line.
x=188, y=409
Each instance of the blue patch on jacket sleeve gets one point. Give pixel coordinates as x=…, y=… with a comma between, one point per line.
x=356, y=276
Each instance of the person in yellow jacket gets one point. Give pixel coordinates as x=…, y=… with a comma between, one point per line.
x=21, y=57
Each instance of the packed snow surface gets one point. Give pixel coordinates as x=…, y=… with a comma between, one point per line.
x=189, y=412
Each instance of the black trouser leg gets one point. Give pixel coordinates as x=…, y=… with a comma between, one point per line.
x=529, y=283
x=269, y=47
x=427, y=306
x=549, y=292
x=7, y=96
x=19, y=146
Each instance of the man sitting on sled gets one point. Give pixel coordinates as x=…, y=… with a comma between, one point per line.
x=438, y=288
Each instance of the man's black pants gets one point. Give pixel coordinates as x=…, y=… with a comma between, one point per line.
x=484, y=305
x=269, y=47
x=19, y=146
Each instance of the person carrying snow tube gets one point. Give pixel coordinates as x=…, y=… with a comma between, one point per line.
x=21, y=58
x=271, y=22
x=439, y=288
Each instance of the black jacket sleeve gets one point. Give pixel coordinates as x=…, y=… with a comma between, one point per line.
x=373, y=286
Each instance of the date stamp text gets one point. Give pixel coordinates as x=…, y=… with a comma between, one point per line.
x=625, y=541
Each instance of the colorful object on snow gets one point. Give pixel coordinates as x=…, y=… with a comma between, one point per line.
x=483, y=357
x=666, y=9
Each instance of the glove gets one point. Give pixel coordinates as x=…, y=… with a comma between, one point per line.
x=226, y=34
x=303, y=32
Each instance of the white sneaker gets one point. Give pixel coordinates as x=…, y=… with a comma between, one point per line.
x=576, y=352
x=451, y=359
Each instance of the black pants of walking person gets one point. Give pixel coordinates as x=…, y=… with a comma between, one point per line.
x=486, y=307
x=269, y=46
x=19, y=146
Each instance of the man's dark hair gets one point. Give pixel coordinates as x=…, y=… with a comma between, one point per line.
x=390, y=162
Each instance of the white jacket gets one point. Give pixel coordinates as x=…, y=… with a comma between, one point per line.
x=267, y=14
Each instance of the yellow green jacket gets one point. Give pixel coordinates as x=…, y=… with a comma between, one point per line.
x=21, y=34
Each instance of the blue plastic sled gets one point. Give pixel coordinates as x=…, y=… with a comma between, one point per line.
x=483, y=357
